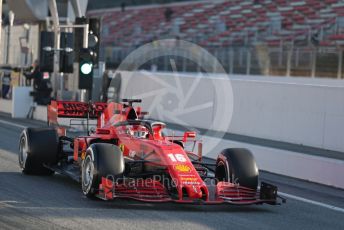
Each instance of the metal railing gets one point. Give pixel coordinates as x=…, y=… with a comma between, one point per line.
x=255, y=60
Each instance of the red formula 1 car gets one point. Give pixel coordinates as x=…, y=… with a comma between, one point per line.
x=126, y=156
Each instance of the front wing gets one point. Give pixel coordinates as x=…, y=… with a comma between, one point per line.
x=223, y=192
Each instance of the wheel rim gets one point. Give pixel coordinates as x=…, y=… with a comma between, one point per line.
x=23, y=153
x=87, y=174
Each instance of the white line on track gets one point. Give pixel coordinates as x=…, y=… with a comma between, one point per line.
x=328, y=206
x=286, y=195
x=12, y=124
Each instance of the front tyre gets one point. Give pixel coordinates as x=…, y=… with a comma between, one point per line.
x=237, y=166
x=101, y=160
x=88, y=176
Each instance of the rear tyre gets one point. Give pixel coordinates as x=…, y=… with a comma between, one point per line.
x=101, y=160
x=237, y=166
x=38, y=147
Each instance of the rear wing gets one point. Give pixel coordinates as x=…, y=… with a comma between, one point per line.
x=74, y=109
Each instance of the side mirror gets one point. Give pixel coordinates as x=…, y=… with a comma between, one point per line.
x=189, y=134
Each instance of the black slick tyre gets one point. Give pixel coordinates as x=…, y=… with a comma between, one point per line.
x=237, y=165
x=101, y=160
x=38, y=147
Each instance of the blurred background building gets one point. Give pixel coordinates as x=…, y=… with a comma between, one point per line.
x=20, y=41
x=301, y=38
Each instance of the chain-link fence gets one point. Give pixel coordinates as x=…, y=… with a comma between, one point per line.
x=256, y=60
